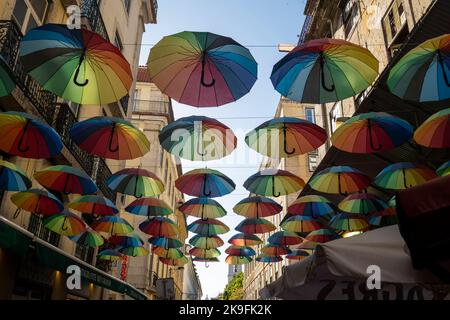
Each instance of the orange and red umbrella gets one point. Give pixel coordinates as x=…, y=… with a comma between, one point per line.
x=256, y=207
x=435, y=131
x=339, y=180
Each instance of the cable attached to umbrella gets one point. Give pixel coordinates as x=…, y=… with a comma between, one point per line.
x=110, y=148
x=202, y=80
x=77, y=72
x=441, y=62
x=322, y=70
x=22, y=136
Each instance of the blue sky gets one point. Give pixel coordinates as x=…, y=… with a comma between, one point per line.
x=260, y=25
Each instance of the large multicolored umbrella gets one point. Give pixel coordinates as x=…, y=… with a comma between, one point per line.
x=312, y=205
x=300, y=224
x=275, y=250
x=37, y=201
x=159, y=227
x=324, y=70
x=208, y=227
x=165, y=242
x=237, y=260
x=297, y=254
x=65, y=223
x=349, y=222
x=435, y=131
x=245, y=240
x=268, y=259
x=339, y=180
x=113, y=225
x=171, y=253
x=88, y=238
x=322, y=236
x=240, y=251
x=202, y=69
x=12, y=178
x=149, y=207
x=130, y=240
x=363, y=203
x=372, y=132
x=274, y=183
x=96, y=205
x=206, y=260
x=206, y=242
x=255, y=226
x=136, y=182
x=205, y=183
x=198, y=138
x=76, y=64
x=174, y=262
x=24, y=135
x=134, y=251
x=256, y=207
x=403, y=175
x=444, y=169
x=66, y=179
x=7, y=83
x=111, y=138
x=204, y=253
x=286, y=137
x=383, y=218
x=423, y=74
x=204, y=208
x=110, y=255
x=285, y=238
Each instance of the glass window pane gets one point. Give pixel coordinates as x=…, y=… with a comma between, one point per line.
x=40, y=8
x=32, y=23
x=20, y=11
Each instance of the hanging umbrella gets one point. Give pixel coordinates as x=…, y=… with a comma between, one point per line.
x=349, y=222
x=240, y=251
x=403, y=175
x=174, y=262
x=113, y=225
x=37, y=201
x=202, y=69
x=284, y=238
x=12, y=178
x=372, y=132
x=65, y=223
x=205, y=183
x=96, y=205
x=204, y=208
x=322, y=236
x=245, y=240
x=208, y=227
x=165, y=242
x=24, y=135
x=237, y=260
x=256, y=207
x=435, y=131
x=363, y=203
x=383, y=218
x=66, y=179
x=171, y=253
x=204, y=253
x=111, y=138
x=198, y=138
x=159, y=227
x=268, y=259
x=136, y=182
x=7, y=83
x=255, y=226
x=307, y=245
x=423, y=74
x=300, y=224
x=297, y=254
x=275, y=250
x=76, y=64
x=134, y=251
x=110, y=255
x=274, y=183
x=444, y=169
x=339, y=180
x=312, y=205
x=206, y=260
x=324, y=70
x=286, y=137
x=88, y=238
x=130, y=240
x=206, y=242
x=149, y=207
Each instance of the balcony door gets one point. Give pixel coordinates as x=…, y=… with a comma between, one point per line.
x=29, y=14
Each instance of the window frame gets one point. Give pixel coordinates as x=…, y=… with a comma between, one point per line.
x=30, y=13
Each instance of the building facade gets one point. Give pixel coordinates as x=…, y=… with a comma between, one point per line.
x=234, y=270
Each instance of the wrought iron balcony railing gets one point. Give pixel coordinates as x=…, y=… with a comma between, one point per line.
x=91, y=11
x=151, y=107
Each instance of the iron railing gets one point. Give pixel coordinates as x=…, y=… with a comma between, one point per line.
x=103, y=174
x=91, y=11
x=151, y=107
x=124, y=103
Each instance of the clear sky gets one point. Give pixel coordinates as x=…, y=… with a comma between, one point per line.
x=260, y=25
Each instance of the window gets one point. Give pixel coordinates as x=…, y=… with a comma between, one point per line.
x=335, y=113
x=127, y=3
x=350, y=15
x=36, y=227
x=118, y=42
x=310, y=115
x=30, y=13
x=84, y=253
x=395, y=26
x=312, y=161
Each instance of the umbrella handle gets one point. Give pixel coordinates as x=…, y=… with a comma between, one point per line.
x=77, y=72
x=110, y=148
x=273, y=188
x=202, y=79
x=203, y=213
x=17, y=213
x=135, y=191
x=65, y=186
x=339, y=184
x=441, y=62
x=198, y=149
x=21, y=139
x=322, y=70
x=206, y=194
x=404, y=179
x=369, y=127
x=64, y=227
x=285, y=142
x=206, y=264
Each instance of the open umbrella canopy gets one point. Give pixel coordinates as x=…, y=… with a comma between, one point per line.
x=149, y=207
x=174, y=262
x=300, y=224
x=204, y=253
x=96, y=205
x=165, y=242
x=349, y=222
x=275, y=250
x=237, y=260
x=134, y=251
x=159, y=227
x=24, y=135
x=322, y=236
x=423, y=74
x=171, y=253
x=435, y=131
x=284, y=238
x=245, y=240
x=363, y=203
x=383, y=218
x=111, y=138
x=255, y=226
x=256, y=207
x=403, y=175
x=339, y=180
x=110, y=255
x=274, y=183
x=12, y=178
x=206, y=242
x=372, y=132
x=113, y=225
x=136, y=182
x=286, y=137
x=311, y=205
x=240, y=251
x=7, y=83
x=297, y=254
x=38, y=201
x=205, y=183
x=130, y=240
x=198, y=138
x=66, y=179
x=268, y=259
x=208, y=227
x=76, y=64
x=88, y=238
x=324, y=70
x=65, y=223
x=444, y=169
x=204, y=208
x=206, y=260
x=202, y=69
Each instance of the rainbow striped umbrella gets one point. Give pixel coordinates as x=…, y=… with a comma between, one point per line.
x=256, y=207
x=238, y=260
x=284, y=238
x=268, y=259
x=307, y=245
x=349, y=222
x=66, y=179
x=174, y=262
x=322, y=236
x=286, y=137
x=435, y=131
x=88, y=238
x=312, y=205
x=12, y=178
x=205, y=183
x=134, y=251
x=111, y=138
x=206, y=242
x=7, y=84
x=297, y=254
x=245, y=240
x=206, y=260
x=76, y=64
x=423, y=74
x=240, y=251
x=255, y=226
x=204, y=253
x=324, y=70
x=208, y=227
x=383, y=218
x=275, y=250
x=444, y=169
x=274, y=183
x=159, y=227
x=113, y=225
x=110, y=255
x=24, y=135
x=363, y=203
x=136, y=182
x=202, y=69
x=38, y=202
x=198, y=138
x=130, y=240
x=204, y=208
x=339, y=180
x=403, y=175
x=171, y=253
x=65, y=223
x=165, y=242
x=372, y=132
x=96, y=205
x=149, y=207
x=300, y=224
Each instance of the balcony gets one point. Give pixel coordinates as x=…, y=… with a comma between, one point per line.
x=90, y=11
x=153, y=108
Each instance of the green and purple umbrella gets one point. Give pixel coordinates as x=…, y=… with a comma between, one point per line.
x=257, y=207
x=149, y=207
x=130, y=240
x=165, y=242
x=240, y=251
x=208, y=227
x=268, y=259
x=206, y=242
x=349, y=222
x=274, y=183
x=136, y=182
x=363, y=203
x=255, y=226
x=300, y=224
x=403, y=175
x=171, y=253
x=312, y=205
x=205, y=183
x=204, y=253
x=204, y=208
x=285, y=238
x=339, y=180
x=297, y=254
x=275, y=250
x=245, y=240
x=322, y=236
x=238, y=260
x=65, y=223
x=88, y=238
